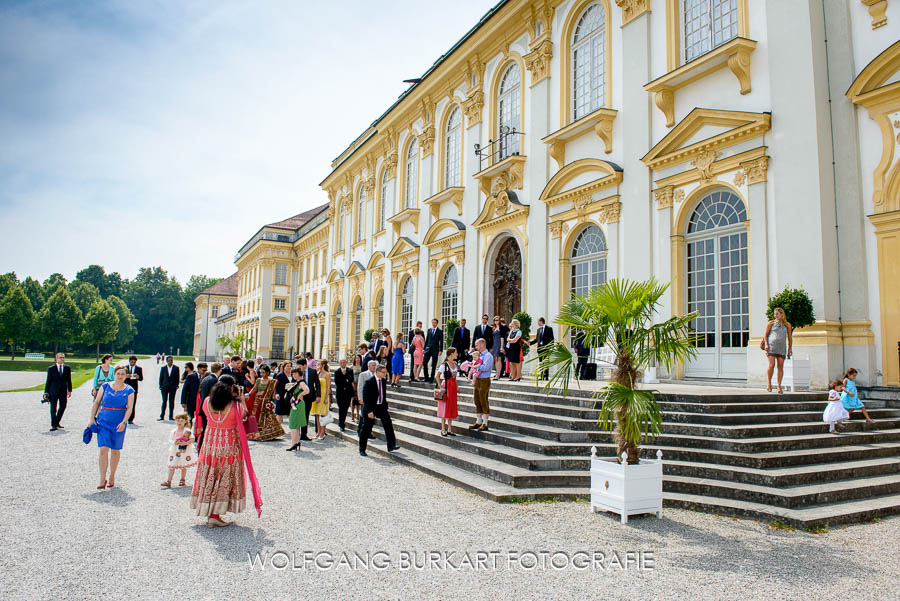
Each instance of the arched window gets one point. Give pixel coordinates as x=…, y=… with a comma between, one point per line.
x=449, y=294
x=509, y=110
x=412, y=174
x=382, y=209
x=357, y=322
x=453, y=139
x=708, y=24
x=589, y=61
x=337, y=329
x=361, y=215
x=717, y=271
x=379, y=310
x=406, y=305
x=588, y=261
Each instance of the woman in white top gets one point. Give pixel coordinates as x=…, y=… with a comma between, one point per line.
x=447, y=408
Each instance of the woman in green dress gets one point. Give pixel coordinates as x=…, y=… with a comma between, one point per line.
x=296, y=392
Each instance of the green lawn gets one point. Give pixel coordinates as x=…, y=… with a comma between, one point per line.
x=82, y=371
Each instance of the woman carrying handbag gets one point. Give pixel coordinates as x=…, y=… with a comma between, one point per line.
x=446, y=392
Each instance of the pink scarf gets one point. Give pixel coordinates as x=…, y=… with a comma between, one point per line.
x=245, y=451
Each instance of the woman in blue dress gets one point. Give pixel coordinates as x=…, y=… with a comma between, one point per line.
x=112, y=407
x=397, y=367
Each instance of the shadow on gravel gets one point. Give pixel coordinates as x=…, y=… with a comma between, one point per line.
x=115, y=497
x=234, y=542
x=54, y=433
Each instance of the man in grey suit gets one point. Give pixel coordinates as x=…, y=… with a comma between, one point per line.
x=360, y=382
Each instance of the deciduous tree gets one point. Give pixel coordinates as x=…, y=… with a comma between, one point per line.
x=60, y=319
x=16, y=317
x=100, y=325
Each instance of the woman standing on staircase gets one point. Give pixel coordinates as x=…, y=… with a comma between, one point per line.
x=777, y=343
x=397, y=360
x=447, y=408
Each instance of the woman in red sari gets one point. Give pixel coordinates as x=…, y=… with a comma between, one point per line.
x=220, y=486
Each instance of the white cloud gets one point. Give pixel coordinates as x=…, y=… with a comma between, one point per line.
x=167, y=133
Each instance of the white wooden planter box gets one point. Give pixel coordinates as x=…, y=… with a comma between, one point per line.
x=796, y=373
x=626, y=489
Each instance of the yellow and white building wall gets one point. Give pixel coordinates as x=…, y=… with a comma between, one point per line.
x=719, y=144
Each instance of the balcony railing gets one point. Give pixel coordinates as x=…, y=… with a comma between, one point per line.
x=508, y=143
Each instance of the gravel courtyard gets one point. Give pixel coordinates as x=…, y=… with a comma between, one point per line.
x=63, y=539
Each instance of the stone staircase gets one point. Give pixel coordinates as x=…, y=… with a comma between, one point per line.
x=753, y=454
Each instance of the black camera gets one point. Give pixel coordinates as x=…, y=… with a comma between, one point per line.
x=45, y=398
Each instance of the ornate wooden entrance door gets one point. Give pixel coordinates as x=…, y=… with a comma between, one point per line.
x=508, y=280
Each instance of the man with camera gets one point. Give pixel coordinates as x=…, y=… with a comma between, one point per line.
x=57, y=390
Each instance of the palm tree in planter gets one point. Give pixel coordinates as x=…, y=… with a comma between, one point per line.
x=619, y=314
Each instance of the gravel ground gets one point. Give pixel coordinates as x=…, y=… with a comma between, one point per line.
x=65, y=540
x=11, y=380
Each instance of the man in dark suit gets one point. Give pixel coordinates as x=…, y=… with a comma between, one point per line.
x=135, y=375
x=169, y=378
x=462, y=338
x=434, y=345
x=375, y=406
x=189, y=390
x=226, y=365
x=379, y=342
x=58, y=388
x=343, y=390
x=583, y=352
x=483, y=331
x=210, y=380
x=315, y=392
x=543, y=339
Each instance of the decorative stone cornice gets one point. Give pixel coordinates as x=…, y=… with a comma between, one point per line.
x=504, y=175
x=538, y=61
x=600, y=122
x=664, y=197
x=752, y=172
x=369, y=187
x=609, y=213
x=453, y=194
x=390, y=165
x=558, y=228
x=632, y=9
x=472, y=106
x=426, y=141
x=877, y=10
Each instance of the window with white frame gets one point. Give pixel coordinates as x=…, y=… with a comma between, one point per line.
x=589, y=61
x=337, y=328
x=412, y=174
x=361, y=215
x=452, y=142
x=357, y=322
x=449, y=294
x=277, y=343
x=406, y=305
x=382, y=209
x=509, y=108
x=281, y=274
x=718, y=273
x=280, y=304
x=379, y=313
x=707, y=25
x=215, y=311
x=588, y=261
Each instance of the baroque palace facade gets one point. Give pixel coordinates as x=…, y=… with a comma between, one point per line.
x=729, y=146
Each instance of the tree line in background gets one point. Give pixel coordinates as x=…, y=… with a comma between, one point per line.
x=149, y=314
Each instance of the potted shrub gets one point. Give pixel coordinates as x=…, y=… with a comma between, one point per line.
x=620, y=314
x=449, y=331
x=798, y=310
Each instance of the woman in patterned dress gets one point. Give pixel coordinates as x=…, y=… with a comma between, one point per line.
x=262, y=407
x=219, y=486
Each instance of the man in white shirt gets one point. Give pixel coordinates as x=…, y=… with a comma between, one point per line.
x=481, y=375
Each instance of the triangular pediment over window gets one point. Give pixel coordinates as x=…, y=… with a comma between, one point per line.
x=403, y=246
x=703, y=130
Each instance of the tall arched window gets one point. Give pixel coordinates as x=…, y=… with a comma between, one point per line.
x=589, y=61
x=509, y=109
x=717, y=271
x=449, y=294
x=379, y=310
x=337, y=329
x=406, y=305
x=357, y=322
x=453, y=139
x=588, y=261
x=382, y=209
x=361, y=215
x=412, y=174
x=708, y=24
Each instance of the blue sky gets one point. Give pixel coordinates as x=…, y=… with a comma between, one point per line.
x=150, y=132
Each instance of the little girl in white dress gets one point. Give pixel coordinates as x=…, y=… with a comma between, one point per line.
x=182, y=452
x=834, y=412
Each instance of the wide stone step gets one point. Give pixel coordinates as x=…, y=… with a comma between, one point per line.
x=832, y=514
x=786, y=476
x=790, y=497
x=771, y=417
